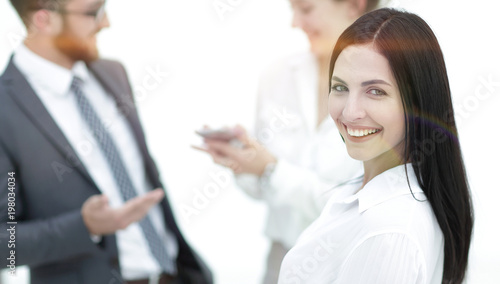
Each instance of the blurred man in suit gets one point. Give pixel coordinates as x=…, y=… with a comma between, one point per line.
x=72, y=147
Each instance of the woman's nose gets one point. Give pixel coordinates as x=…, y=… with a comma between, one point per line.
x=353, y=109
x=104, y=23
x=296, y=21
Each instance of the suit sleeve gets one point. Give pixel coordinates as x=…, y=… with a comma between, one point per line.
x=39, y=241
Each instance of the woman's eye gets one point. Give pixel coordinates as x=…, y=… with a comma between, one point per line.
x=306, y=9
x=339, y=88
x=377, y=92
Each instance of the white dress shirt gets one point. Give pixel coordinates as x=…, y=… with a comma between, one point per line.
x=379, y=234
x=311, y=159
x=52, y=83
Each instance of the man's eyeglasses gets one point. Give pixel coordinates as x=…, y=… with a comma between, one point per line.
x=98, y=14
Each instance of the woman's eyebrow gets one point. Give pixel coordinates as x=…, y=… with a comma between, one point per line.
x=96, y=4
x=373, y=82
x=339, y=80
x=364, y=84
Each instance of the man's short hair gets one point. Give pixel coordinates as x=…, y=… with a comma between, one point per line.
x=25, y=7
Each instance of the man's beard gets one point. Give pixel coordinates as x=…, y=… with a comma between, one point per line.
x=76, y=48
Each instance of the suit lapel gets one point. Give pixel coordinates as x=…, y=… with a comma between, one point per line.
x=108, y=79
x=21, y=92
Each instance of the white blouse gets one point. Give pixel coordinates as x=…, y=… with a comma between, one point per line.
x=380, y=234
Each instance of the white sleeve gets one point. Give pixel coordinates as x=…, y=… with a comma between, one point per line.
x=250, y=185
x=299, y=187
x=386, y=259
x=291, y=185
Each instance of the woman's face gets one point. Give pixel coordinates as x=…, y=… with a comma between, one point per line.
x=366, y=105
x=323, y=21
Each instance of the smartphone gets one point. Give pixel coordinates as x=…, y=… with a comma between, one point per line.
x=225, y=134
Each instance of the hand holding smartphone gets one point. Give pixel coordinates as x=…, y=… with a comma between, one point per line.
x=224, y=134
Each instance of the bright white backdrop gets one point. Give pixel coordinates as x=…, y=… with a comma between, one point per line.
x=209, y=63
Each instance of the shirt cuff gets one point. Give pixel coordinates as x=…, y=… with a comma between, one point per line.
x=265, y=178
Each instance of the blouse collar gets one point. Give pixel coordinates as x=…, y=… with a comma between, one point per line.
x=385, y=186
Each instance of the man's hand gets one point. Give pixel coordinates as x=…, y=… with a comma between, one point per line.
x=101, y=219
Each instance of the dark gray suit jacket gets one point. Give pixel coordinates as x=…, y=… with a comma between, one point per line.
x=52, y=184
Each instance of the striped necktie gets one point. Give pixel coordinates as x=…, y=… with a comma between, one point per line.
x=120, y=174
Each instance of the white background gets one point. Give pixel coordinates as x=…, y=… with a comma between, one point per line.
x=213, y=63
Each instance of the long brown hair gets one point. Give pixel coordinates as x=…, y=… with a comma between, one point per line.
x=431, y=141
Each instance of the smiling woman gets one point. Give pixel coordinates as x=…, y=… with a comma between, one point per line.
x=408, y=219
x=368, y=110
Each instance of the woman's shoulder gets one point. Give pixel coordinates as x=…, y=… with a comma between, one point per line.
x=394, y=201
x=405, y=213
x=402, y=231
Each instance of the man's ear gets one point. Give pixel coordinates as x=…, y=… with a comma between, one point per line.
x=42, y=21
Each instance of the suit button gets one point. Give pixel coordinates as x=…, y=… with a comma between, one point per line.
x=114, y=262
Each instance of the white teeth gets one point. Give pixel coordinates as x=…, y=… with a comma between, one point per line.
x=361, y=132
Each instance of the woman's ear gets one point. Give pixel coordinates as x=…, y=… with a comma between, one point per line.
x=357, y=8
